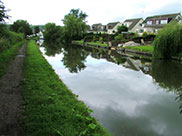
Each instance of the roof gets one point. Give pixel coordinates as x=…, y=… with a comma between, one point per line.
x=172, y=16
x=112, y=25
x=134, y=22
x=98, y=27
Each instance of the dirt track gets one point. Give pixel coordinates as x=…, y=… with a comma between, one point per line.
x=10, y=97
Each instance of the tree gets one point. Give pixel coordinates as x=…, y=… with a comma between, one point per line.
x=168, y=42
x=75, y=25
x=53, y=35
x=3, y=12
x=121, y=29
x=21, y=26
x=36, y=29
x=78, y=14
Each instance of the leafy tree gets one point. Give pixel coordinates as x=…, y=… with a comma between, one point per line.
x=21, y=26
x=78, y=14
x=53, y=35
x=75, y=25
x=36, y=29
x=122, y=28
x=168, y=42
x=3, y=12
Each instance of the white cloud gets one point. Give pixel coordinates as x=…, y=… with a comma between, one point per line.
x=99, y=11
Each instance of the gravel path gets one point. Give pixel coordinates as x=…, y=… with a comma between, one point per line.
x=10, y=97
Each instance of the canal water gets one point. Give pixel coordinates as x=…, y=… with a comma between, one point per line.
x=126, y=101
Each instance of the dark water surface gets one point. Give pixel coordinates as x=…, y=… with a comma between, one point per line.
x=125, y=101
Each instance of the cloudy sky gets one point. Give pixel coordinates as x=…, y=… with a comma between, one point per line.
x=38, y=12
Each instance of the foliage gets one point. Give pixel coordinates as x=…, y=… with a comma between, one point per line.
x=98, y=43
x=168, y=42
x=144, y=34
x=119, y=37
x=53, y=35
x=75, y=26
x=78, y=14
x=36, y=29
x=21, y=26
x=50, y=107
x=145, y=48
x=8, y=55
x=121, y=29
x=8, y=38
x=3, y=12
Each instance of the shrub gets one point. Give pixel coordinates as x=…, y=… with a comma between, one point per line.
x=144, y=34
x=168, y=42
x=4, y=44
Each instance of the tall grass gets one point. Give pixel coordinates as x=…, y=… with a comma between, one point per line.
x=168, y=42
x=8, y=38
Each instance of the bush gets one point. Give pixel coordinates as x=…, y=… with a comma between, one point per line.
x=4, y=44
x=144, y=34
x=8, y=38
x=168, y=42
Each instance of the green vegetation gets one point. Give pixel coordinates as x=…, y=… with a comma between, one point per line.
x=121, y=29
x=21, y=26
x=74, y=25
x=50, y=107
x=98, y=43
x=168, y=42
x=7, y=56
x=53, y=35
x=3, y=12
x=145, y=48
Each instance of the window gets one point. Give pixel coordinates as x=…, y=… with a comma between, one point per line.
x=149, y=22
x=163, y=21
x=157, y=22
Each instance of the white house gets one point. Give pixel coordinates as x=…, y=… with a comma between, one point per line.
x=134, y=25
x=98, y=28
x=154, y=23
x=112, y=27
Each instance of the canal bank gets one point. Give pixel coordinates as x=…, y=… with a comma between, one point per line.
x=50, y=107
x=130, y=51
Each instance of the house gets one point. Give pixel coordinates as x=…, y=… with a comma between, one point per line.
x=154, y=23
x=134, y=25
x=98, y=28
x=112, y=27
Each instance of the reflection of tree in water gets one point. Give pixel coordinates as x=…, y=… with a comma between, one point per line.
x=74, y=58
x=169, y=75
x=51, y=49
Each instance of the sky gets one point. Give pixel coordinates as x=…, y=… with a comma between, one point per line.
x=40, y=12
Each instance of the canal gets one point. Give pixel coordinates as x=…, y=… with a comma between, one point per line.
x=126, y=101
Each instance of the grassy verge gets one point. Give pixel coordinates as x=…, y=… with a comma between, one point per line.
x=51, y=109
x=93, y=43
x=7, y=56
x=142, y=48
x=98, y=43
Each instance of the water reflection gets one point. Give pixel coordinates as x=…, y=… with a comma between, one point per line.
x=74, y=58
x=168, y=74
x=125, y=101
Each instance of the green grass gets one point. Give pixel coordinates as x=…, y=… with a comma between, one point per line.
x=93, y=43
x=98, y=43
x=7, y=56
x=142, y=48
x=50, y=108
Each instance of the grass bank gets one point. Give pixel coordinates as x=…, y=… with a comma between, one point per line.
x=51, y=109
x=7, y=56
x=92, y=43
x=141, y=48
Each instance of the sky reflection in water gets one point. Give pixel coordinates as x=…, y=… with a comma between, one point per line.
x=125, y=101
